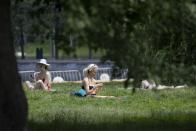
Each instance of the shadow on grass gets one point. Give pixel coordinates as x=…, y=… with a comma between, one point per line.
x=185, y=122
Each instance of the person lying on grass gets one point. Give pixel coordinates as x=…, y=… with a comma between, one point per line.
x=42, y=78
x=89, y=83
x=150, y=84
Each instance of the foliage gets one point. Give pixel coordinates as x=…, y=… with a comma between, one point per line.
x=35, y=24
x=147, y=37
x=142, y=36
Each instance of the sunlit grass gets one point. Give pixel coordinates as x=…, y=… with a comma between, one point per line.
x=144, y=110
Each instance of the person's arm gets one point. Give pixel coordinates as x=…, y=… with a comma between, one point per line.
x=49, y=77
x=97, y=85
x=48, y=80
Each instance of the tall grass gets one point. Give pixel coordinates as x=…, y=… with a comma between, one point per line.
x=144, y=110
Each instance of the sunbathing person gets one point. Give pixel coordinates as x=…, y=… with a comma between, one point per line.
x=89, y=86
x=89, y=83
x=42, y=78
x=150, y=84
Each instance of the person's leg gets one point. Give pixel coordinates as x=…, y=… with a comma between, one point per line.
x=40, y=85
x=29, y=85
x=94, y=92
x=98, y=88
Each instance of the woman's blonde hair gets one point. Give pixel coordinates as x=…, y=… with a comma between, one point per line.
x=89, y=68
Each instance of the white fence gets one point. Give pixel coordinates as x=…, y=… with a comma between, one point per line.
x=75, y=75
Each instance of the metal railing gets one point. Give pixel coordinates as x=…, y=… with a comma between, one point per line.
x=113, y=74
x=69, y=75
x=26, y=75
x=75, y=75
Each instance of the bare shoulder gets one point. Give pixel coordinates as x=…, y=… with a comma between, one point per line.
x=47, y=73
x=93, y=80
x=85, y=79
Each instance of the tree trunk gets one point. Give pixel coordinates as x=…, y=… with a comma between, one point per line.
x=13, y=104
x=22, y=41
x=56, y=30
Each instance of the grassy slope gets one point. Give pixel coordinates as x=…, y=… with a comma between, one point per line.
x=144, y=110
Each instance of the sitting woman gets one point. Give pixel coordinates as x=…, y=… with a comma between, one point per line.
x=89, y=84
x=42, y=78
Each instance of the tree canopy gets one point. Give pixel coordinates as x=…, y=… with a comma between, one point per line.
x=153, y=39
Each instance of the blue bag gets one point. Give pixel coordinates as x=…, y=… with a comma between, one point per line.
x=81, y=92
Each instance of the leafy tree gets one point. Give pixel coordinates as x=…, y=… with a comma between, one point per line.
x=147, y=37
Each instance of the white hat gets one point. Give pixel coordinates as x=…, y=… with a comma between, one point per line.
x=43, y=61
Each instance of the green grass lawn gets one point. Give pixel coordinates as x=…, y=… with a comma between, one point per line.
x=171, y=110
x=81, y=52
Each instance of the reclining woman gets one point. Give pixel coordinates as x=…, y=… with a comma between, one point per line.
x=89, y=85
x=42, y=78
